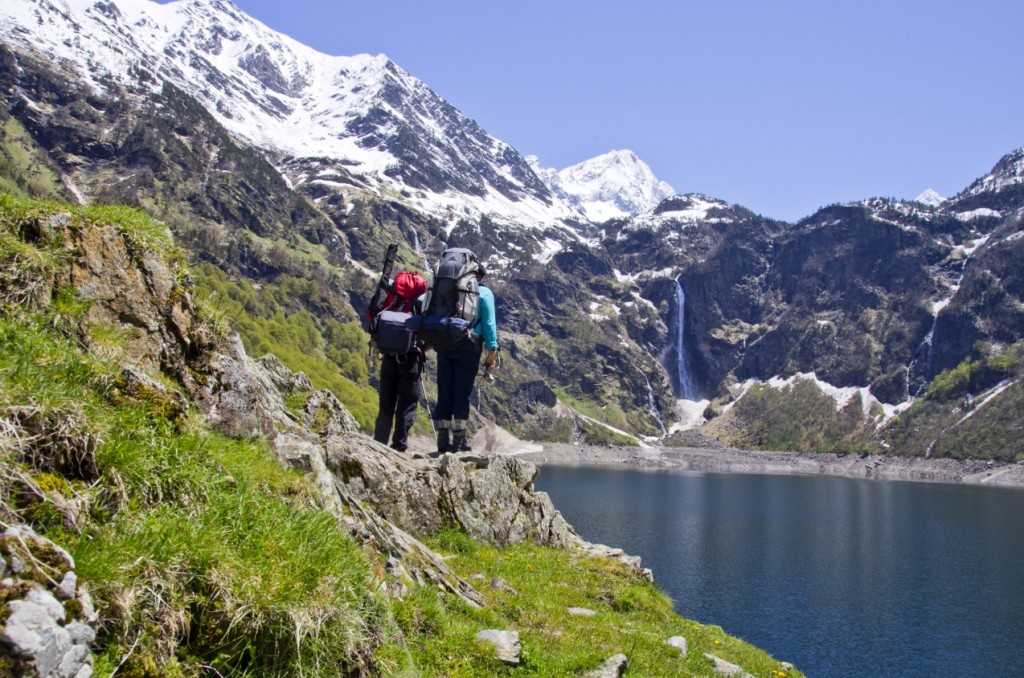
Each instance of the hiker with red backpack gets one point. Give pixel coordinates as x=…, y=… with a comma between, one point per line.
x=402, y=356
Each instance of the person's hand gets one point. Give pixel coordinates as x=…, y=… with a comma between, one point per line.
x=491, y=360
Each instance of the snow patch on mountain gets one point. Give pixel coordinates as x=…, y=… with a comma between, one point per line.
x=841, y=395
x=980, y=213
x=611, y=186
x=1009, y=171
x=677, y=214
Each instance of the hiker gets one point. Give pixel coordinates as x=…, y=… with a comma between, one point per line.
x=456, y=372
x=400, y=370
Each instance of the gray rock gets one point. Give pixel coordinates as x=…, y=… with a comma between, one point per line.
x=581, y=612
x=67, y=587
x=48, y=602
x=679, y=643
x=232, y=399
x=324, y=414
x=295, y=451
x=631, y=562
x=33, y=633
x=476, y=460
x=81, y=634
x=506, y=644
x=89, y=613
x=724, y=668
x=494, y=503
x=283, y=379
x=499, y=584
x=75, y=660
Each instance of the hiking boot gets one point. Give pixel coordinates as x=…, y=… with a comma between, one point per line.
x=443, y=444
x=460, y=443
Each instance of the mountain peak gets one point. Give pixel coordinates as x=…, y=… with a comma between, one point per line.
x=930, y=197
x=613, y=185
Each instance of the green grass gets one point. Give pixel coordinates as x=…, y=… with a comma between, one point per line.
x=23, y=169
x=610, y=415
x=633, y=617
x=205, y=538
x=799, y=418
x=953, y=419
x=200, y=550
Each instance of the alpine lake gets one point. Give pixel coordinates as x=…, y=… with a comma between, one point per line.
x=841, y=577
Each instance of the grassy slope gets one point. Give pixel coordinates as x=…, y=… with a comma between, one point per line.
x=975, y=410
x=207, y=558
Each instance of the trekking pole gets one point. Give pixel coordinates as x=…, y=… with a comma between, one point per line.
x=426, y=401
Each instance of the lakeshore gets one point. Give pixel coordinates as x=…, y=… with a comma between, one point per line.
x=730, y=460
x=491, y=439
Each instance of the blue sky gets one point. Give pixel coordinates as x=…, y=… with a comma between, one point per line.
x=780, y=106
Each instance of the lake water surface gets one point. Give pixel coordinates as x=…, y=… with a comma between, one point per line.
x=840, y=577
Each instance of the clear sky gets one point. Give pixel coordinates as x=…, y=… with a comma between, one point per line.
x=780, y=106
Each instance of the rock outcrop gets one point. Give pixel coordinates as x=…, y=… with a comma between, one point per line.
x=48, y=618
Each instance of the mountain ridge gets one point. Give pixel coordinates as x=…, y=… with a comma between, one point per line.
x=876, y=294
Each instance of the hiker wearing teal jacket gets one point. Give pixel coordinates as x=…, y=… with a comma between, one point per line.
x=487, y=325
x=456, y=373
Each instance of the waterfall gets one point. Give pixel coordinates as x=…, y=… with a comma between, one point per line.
x=929, y=343
x=685, y=388
x=937, y=308
x=652, y=404
x=419, y=250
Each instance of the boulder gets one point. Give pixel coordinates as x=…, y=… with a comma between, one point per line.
x=47, y=628
x=494, y=503
x=506, y=644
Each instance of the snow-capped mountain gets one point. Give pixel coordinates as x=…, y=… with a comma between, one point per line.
x=362, y=111
x=348, y=154
x=930, y=197
x=614, y=185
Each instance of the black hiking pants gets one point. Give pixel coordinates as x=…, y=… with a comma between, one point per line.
x=399, y=394
x=456, y=372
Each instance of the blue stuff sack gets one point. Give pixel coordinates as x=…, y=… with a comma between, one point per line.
x=393, y=334
x=443, y=333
